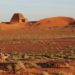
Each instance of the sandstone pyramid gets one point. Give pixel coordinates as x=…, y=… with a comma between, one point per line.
x=18, y=18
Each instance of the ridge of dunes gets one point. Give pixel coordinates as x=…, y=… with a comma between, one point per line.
x=19, y=22
x=55, y=22
x=35, y=36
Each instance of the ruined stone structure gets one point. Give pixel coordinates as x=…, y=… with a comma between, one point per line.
x=18, y=18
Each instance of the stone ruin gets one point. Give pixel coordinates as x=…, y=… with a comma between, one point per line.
x=18, y=18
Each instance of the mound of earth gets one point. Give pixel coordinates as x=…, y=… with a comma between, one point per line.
x=55, y=22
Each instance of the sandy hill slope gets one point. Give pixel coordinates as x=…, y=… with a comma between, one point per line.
x=41, y=24
x=36, y=37
x=55, y=22
x=43, y=29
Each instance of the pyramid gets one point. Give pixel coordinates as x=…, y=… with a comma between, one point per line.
x=18, y=18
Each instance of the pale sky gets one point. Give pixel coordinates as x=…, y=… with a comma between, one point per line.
x=36, y=9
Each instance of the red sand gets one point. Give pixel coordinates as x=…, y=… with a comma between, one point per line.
x=55, y=21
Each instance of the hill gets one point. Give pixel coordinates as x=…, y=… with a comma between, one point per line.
x=37, y=36
x=55, y=22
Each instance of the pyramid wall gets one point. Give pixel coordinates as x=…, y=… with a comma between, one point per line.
x=18, y=18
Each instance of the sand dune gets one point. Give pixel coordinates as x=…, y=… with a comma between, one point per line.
x=55, y=22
